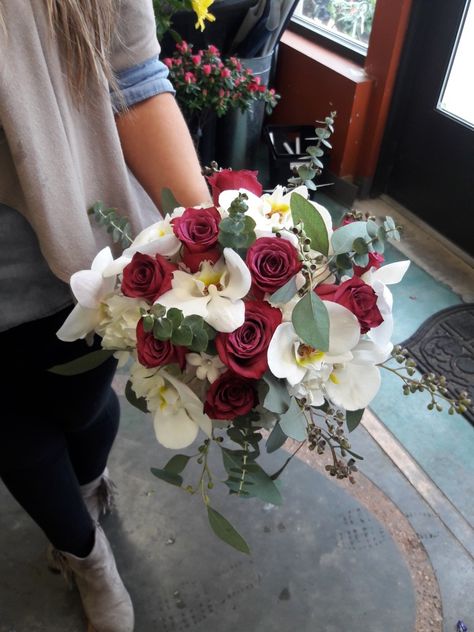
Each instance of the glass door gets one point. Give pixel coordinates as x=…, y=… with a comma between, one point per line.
x=427, y=161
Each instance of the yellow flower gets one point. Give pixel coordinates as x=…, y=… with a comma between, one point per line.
x=201, y=7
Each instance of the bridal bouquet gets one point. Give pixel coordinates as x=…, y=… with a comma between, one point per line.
x=243, y=324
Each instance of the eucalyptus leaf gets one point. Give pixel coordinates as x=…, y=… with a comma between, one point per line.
x=343, y=238
x=148, y=322
x=82, y=364
x=293, y=423
x=175, y=315
x=310, y=319
x=177, y=463
x=138, y=402
x=225, y=531
x=200, y=341
x=304, y=212
x=353, y=418
x=182, y=337
x=162, y=329
x=285, y=293
x=275, y=439
x=274, y=394
x=168, y=477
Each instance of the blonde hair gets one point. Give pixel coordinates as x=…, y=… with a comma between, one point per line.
x=85, y=29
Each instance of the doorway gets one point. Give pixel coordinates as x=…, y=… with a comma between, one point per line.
x=427, y=159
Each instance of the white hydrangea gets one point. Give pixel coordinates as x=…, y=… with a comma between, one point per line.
x=118, y=323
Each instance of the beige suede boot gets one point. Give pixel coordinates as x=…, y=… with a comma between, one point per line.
x=99, y=495
x=105, y=599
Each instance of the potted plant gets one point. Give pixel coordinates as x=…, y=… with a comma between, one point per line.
x=208, y=86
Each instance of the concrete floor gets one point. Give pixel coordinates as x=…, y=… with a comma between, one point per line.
x=391, y=554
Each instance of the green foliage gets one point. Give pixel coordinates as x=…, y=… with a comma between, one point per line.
x=238, y=230
x=275, y=439
x=273, y=394
x=293, y=423
x=177, y=463
x=285, y=293
x=353, y=418
x=247, y=478
x=310, y=319
x=308, y=171
x=115, y=224
x=315, y=229
x=225, y=531
x=190, y=331
x=167, y=477
x=138, y=402
x=83, y=364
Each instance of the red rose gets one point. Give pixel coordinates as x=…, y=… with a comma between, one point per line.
x=357, y=297
x=152, y=352
x=230, y=396
x=228, y=179
x=375, y=261
x=272, y=262
x=198, y=229
x=193, y=260
x=245, y=349
x=147, y=277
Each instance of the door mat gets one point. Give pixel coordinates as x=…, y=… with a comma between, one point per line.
x=444, y=344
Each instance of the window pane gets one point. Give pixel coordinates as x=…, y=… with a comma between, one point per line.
x=457, y=97
x=350, y=20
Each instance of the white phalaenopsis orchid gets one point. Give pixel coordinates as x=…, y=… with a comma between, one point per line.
x=215, y=292
x=354, y=384
x=379, y=279
x=178, y=415
x=158, y=238
x=89, y=288
x=272, y=211
x=290, y=358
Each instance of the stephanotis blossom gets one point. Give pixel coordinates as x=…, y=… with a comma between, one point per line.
x=89, y=288
x=178, y=414
x=215, y=292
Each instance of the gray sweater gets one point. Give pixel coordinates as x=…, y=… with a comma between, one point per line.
x=57, y=158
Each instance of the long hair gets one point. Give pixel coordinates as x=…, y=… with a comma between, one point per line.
x=85, y=29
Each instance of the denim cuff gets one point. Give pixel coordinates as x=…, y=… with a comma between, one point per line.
x=140, y=82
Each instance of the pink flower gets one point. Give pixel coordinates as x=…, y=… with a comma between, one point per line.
x=168, y=61
x=183, y=47
x=225, y=73
x=207, y=69
x=189, y=77
x=196, y=59
x=213, y=50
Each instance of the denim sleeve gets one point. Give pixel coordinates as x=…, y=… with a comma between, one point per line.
x=140, y=82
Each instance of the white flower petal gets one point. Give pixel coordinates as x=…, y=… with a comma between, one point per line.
x=80, y=322
x=344, y=329
x=102, y=260
x=391, y=273
x=186, y=302
x=175, y=431
x=353, y=388
x=240, y=279
x=87, y=287
x=281, y=355
x=367, y=352
x=225, y=315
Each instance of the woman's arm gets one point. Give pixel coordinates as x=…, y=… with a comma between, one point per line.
x=159, y=150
